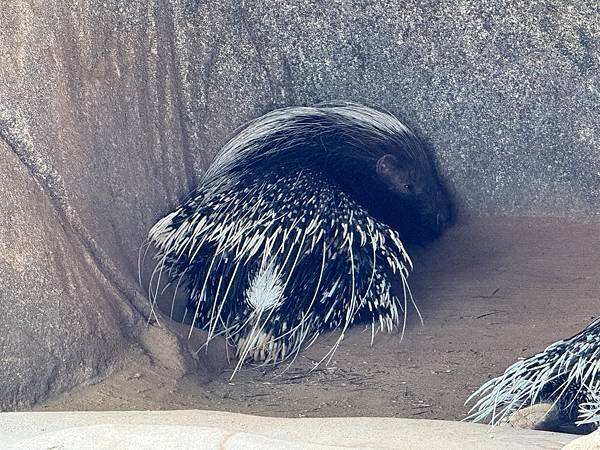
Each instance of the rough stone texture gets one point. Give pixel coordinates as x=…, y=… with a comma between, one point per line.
x=111, y=110
x=589, y=442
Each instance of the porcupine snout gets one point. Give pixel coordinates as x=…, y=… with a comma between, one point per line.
x=424, y=216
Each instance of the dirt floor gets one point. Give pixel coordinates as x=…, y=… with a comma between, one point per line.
x=490, y=291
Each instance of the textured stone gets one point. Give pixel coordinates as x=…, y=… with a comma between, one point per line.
x=112, y=109
x=589, y=442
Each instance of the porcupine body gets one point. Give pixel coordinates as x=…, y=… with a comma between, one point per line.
x=567, y=374
x=298, y=226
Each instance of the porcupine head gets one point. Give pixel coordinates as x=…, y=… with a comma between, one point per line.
x=398, y=185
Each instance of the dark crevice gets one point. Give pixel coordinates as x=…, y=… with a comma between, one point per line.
x=243, y=14
x=177, y=89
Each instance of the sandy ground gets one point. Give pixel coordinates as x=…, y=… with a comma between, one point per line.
x=490, y=291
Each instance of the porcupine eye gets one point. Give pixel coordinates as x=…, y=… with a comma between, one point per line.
x=394, y=176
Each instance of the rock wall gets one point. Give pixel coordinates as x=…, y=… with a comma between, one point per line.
x=110, y=110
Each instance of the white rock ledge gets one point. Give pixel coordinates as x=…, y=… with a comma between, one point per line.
x=221, y=430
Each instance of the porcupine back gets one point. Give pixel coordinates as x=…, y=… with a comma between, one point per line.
x=566, y=373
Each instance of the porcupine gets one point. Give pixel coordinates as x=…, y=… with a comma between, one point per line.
x=567, y=374
x=298, y=227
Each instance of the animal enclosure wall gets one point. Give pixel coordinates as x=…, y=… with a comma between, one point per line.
x=110, y=111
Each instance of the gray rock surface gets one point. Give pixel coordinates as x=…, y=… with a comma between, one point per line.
x=110, y=110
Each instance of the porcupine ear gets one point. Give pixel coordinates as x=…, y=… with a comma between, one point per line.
x=392, y=173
